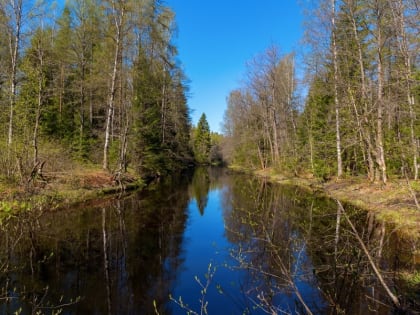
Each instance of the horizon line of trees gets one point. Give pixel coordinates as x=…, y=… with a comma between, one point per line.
x=361, y=112
x=100, y=82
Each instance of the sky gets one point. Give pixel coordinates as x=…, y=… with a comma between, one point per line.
x=215, y=39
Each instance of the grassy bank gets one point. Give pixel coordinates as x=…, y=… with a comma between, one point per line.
x=393, y=203
x=61, y=189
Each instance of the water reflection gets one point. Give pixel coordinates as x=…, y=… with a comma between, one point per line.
x=272, y=249
x=113, y=258
x=261, y=224
x=200, y=186
x=298, y=247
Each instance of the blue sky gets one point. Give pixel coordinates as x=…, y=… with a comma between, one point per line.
x=216, y=38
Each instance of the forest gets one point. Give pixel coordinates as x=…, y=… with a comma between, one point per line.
x=94, y=98
x=356, y=109
x=105, y=87
x=94, y=82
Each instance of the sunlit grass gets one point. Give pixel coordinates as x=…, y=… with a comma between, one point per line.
x=394, y=203
x=74, y=183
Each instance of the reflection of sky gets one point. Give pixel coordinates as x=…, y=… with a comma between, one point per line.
x=205, y=243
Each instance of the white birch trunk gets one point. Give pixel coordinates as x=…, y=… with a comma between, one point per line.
x=112, y=90
x=380, y=154
x=14, y=47
x=337, y=109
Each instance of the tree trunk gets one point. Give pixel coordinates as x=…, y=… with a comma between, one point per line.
x=399, y=21
x=112, y=90
x=364, y=121
x=380, y=154
x=37, y=117
x=14, y=46
x=82, y=105
x=163, y=112
x=337, y=110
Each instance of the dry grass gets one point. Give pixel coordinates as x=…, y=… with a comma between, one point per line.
x=75, y=184
x=392, y=203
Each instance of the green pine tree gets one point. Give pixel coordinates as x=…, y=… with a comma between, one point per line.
x=202, y=141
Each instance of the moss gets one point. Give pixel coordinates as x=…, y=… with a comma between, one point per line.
x=411, y=282
x=413, y=279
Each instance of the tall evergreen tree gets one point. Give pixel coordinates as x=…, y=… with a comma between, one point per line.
x=317, y=131
x=202, y=140
x=161, y=123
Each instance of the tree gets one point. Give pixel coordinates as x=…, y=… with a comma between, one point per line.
x=261, y=118
x=202, y=141
x=336, y=100
x=118, y=16
x=93, y=78
x=316, y=129
x=216, y=154
x=36, y=94
x=12, y=18
x=160, y=137
x=399, y=10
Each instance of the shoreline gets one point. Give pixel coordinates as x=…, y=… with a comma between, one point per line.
x=64, y=189
x=392, y=204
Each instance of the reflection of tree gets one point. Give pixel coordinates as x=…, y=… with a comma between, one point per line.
x=291, y=243
x=259, y=223
x=98, y=253
x=288, y=242
x=341, y=266
x=200, y=186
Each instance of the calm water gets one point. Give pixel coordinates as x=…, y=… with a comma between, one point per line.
x=208, y=241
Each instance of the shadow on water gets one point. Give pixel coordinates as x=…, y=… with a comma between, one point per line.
x=297, y=244
x=279, y=250
x=115, y=258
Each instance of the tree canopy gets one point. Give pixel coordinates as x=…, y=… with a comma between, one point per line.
x=360, y=114
x=101, y=83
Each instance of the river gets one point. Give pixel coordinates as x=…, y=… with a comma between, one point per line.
x=209, y=242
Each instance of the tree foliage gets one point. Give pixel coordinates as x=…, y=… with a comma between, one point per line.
x=202, y=141
x=101, y=77
x=260, y=121
x=360, y=114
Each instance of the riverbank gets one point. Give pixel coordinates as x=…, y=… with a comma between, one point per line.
x=393, y=203
x=62, y=189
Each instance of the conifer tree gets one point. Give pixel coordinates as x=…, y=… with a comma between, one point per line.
x=202, y=141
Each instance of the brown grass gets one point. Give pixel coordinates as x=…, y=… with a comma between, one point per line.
x=393, y=202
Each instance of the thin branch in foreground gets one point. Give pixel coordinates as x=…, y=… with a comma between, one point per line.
x=393, y=298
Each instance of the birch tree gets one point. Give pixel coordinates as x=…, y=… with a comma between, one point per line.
x=117, y=15
x=336, y=101
x=12, y=26
x=398, y=9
